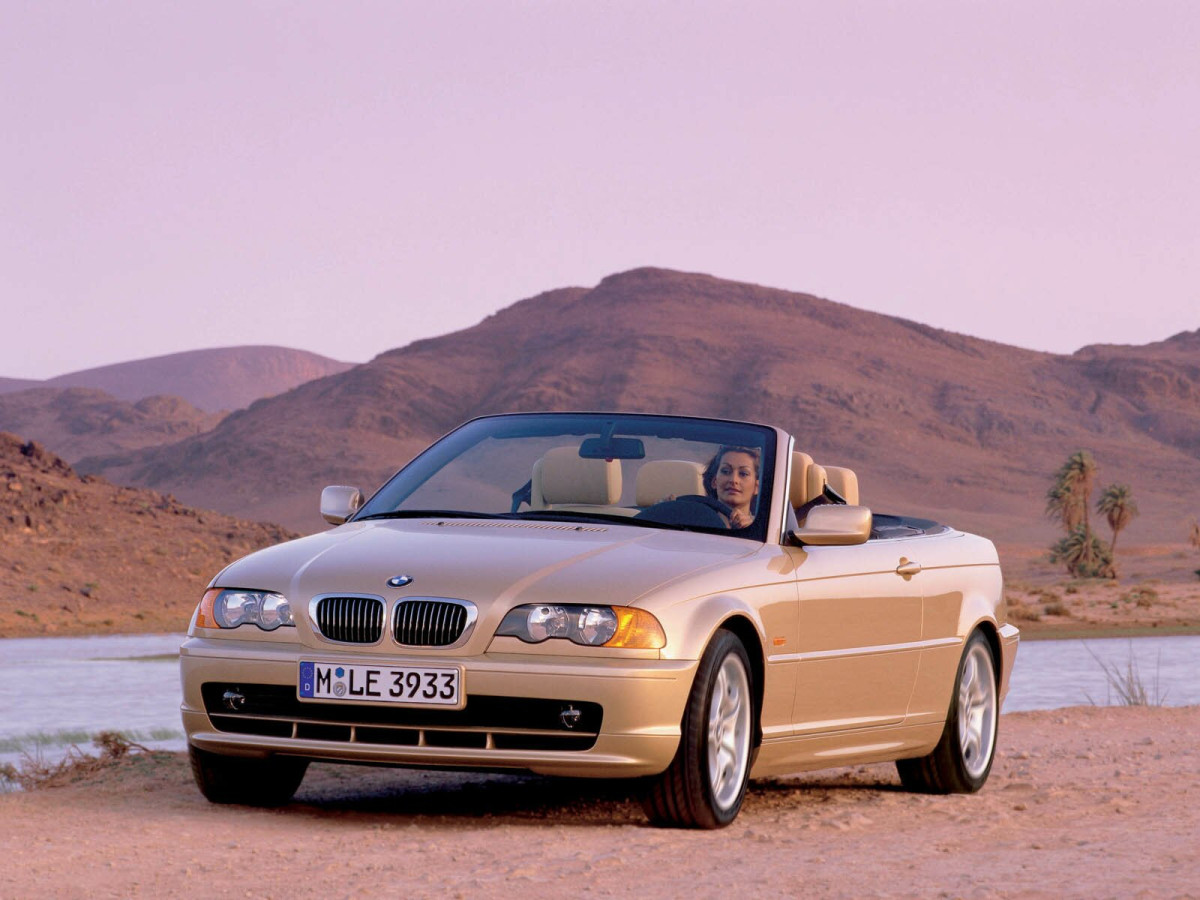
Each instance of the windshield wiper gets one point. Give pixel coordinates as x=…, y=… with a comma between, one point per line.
x=431, y=514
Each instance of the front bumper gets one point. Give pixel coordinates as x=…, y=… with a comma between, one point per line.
x=640, y=704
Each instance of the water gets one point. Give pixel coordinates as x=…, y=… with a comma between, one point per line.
x=56, y=692
x=1050, y=674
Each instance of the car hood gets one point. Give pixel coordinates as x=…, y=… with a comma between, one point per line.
x=490, y=562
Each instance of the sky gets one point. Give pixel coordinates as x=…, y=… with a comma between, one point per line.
x=348, y=177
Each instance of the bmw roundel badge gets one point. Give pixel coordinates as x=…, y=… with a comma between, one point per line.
x=399, y=580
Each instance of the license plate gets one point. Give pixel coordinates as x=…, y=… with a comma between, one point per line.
x=380, y=684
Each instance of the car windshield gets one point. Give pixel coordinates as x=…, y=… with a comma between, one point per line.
x=652, y=471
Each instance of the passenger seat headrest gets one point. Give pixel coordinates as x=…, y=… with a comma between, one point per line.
x=565, y=477
x=662, y=478
x=798, y=489
x=817, y=480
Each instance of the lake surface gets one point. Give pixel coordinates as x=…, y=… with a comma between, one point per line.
x=56, y=692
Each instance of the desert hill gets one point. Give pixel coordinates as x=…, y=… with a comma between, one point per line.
x=213, y=380
x=79, y=555
x=79, y=422
x=935, y=423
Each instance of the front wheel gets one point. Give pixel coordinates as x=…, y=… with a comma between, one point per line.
x=252, y=782
x=706, y=782
x=962, y=759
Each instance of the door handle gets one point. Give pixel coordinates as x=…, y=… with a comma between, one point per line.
x=907, y=568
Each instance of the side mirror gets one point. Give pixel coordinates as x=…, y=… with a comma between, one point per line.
x=339, y=502
x=835, y=526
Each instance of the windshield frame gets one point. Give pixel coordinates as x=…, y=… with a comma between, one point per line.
x=411, y=477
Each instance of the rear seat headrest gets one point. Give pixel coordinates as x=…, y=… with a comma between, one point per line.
x=844, y=481
x=563, y=476
x=662, y=478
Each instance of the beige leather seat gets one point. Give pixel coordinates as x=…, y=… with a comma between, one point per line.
x=808, y=479
x=844, y=481
x=662, y=478
x=563, y=477
x=798, y=489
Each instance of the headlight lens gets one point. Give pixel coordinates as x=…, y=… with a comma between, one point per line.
x=590, y=626
x=223, y=608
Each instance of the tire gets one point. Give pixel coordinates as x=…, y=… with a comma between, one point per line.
x=248, y=781
x=706, y=782
x=962, y=759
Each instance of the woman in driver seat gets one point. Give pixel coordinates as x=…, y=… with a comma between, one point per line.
x=732, y=477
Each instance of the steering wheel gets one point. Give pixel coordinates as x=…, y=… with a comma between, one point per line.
x=683, y=511
x=712, y=503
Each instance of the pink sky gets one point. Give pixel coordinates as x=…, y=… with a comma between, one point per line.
x=348, y=177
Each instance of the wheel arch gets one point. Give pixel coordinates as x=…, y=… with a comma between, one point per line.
x=744, y=630
x=990, y=631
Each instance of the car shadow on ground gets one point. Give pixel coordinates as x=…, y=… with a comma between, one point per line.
x=403, y=795
x=449, y=798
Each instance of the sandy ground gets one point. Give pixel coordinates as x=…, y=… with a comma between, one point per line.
x=1082, y=802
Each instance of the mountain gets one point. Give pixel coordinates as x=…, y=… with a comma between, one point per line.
x=82, y=556
x=213, y=380
x=935, y=423
x=79, y=422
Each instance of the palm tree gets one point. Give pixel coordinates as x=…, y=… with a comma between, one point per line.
x=1068, y=500
x=1078, y=475
x=1061, y=505
x=1084, y=555
x=1118, y=506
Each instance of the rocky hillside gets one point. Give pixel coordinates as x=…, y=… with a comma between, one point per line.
x=212, y=380
x=79, y=422
x=79, y=555
x=935, y=422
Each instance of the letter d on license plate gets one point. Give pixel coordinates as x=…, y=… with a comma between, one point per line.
x=434, y=686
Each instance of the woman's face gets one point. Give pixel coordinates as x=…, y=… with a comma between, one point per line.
x=736, y=482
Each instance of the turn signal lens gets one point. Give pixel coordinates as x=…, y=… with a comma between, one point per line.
x=204, y=615
x=637, y=628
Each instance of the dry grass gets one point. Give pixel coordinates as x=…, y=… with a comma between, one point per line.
x=34, y=772
x=1127, y=682
x=1145, y=597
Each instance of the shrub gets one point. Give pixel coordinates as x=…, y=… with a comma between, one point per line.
x=1141, y=596
x=1022, y=613
x=1084, y=554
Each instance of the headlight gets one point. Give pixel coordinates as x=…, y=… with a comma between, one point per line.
x=591, y=626
x=222, y=608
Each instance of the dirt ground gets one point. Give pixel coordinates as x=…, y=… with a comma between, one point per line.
x=1082, y=802
x=1158, y=592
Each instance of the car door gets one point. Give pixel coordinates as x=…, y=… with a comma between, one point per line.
x=858, y=643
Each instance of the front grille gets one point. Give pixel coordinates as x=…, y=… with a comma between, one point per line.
x=350, y=620
x=429, y=623
x=485, y=723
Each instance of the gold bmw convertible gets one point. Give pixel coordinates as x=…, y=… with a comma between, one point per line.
x=688, y=602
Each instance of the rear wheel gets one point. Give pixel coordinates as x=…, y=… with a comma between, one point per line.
x=962, y=759
x=706, y=782
x=252, y=782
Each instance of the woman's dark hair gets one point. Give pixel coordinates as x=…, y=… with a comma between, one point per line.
x=710, y=471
